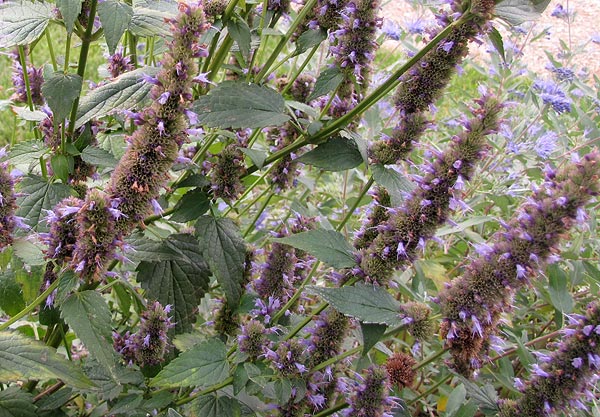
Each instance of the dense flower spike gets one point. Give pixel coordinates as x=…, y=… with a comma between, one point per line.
x=424, y=83
x=377, y=213
x=415, y=316
x=371, y=398
x=119, y=64
x=400, y=370
x=7, y=207
x=35, y=77
x=285, y=172
x=327, y=336
x=227, y=172
x=427, y=207
x=253, y=339
x=567, y=376
x=473, y=303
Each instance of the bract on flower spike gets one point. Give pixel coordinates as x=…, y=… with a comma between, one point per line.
x=473, y=303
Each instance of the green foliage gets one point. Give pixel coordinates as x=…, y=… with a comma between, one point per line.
x=21, y=23
x=39, y=195
x=115, y=17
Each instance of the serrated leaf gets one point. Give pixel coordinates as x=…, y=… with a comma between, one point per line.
x=371, y=334
x=23, y=22
x=122, y=93
x=216, y=406
x=149, y=17
x=39, y=195
x=29, y=252
x=180, y=282
x=560, y=296
x=15, y=402
x=236, y=104
x=22, y=358
x=224, y=249
x=516, y=12
x=496, y=39
x=115, y=17
x=88, y=315
x=192, y=205
x=486, y=396
x=26, y=153
x=337, y=154
x=202, y=366
x=327, y=246
x=11, y=296
x=60, y=91
x=240, y=32
x=309, y=39
x=396, y=184
x=366, y=302
x=326, y=82
x=69, y=9
x=24, y=113
x=98, y=157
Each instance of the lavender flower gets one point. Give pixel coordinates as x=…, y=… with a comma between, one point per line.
x=416, y=317
x=473, y=303
x=35, y=77
x=567, y=377
x=253, y=340
x=8, y=205
x=327, y=336
x=119, y=64
x=552, y=94
x=302, y=87
x=427, y=207
x=227, y=172
x=378, y=213
x=371, y=397
x=289, y=359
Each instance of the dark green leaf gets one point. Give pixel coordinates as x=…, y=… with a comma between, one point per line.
x=62, y=166
x=496, y=39
x=194, y=180
x=22, y=358
x=371, y=334
x=327, y=82
x=309, y=39
x=560, y=295
x=361, y=144
x=27, y=152
x=23, y=22
x=257, y=157
x=122, y=93
x=88, y=315
x=99, y=157
x=202, y=366
x=366, y=302
x=516, y=12
x=180, y=282
x=55, y=400
x=224, y=249
x=327, y=246
x=11, y=297
x=240, y=33
x=216, y=406
x=39, y=195
x=486, y=396
x=337, y=154
x=236, y=104
x=109, y=387
x=149, y=17
x=173, y=413
x=456, y=399
x=192, y=205
x=115, y=17
x=15, y=402
x=396, y=184
x=69, y=9
x=60, y=91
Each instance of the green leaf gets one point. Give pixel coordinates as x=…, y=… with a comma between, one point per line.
x=240, y=32
x=371, y=334
x=496, y=39
x=54, y=401
x=122, y=93
x=22, y=358
x=560, y=295
x=62, y=166
x=60, y=91
x=257, y=157
x=337, y=154
x=39, y=195
x=202, y=366
x=69, y=9
x=15, y=402
x=486, y=396
x=473, y=221
x=309, y=39
x=237, y=104
x=366, y=302
x=456, y=399
x=99, y=157
x=115, y=17
x=173, y=413
x=149, y=17
x=216, y=406
x=192, y=205
x=516, y=12
x=29, y=250
x=23, y=22
x=327, y=246
x=180, y=282
x=11, y=296
x=327, y=82
x=88, y=315
x=224, y=249
x=396, y=184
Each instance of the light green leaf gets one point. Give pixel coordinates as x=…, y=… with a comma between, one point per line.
x=122, y=93
x=25, y=153
x=15, y=402
x=62, y=166
x=22, y=358
x=173, y=413
x=180, y=282
x=192, y=205
x=69, y=9
x=23, y=22
x=60, y=91
x=327, y=246
x=29, y=252
x=485, y=396
x=473, y=221
x=396, y=184
x=337, y=154
x=366, y=302
x=327, y=82
x=115, y=17
x=224, y=249
x=88, y=315
x=39, y=195
x=149, y=17
x=202, y=366
x=516, y=12
x=99, y=157
x=11, y=296
x=456, y=399
x=257, y=157
x=560, y=296
x=216, y=406
x=237, y=104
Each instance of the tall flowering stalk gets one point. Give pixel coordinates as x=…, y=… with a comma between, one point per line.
x=565, y=377
x=473, y=303
x=35, y=77
x=371, y=397
x=425, y=82
x=427, y=207
x=8, y=205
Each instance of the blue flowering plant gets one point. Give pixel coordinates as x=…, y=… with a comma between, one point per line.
x=275, y=208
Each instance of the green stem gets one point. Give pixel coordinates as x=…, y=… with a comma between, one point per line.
x=260, y=211
x=208, y=390
x=429, y=359
x=51, y=51
x=67, y=54
x=332, y=410
x=30, y=307
x=431, y=390
x=25, y=76
x=336, y=358
x=300, y=69
x=219, y=56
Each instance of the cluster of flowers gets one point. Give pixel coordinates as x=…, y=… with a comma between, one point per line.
x=8, y=220
x=35, y=78
x=472, y=304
